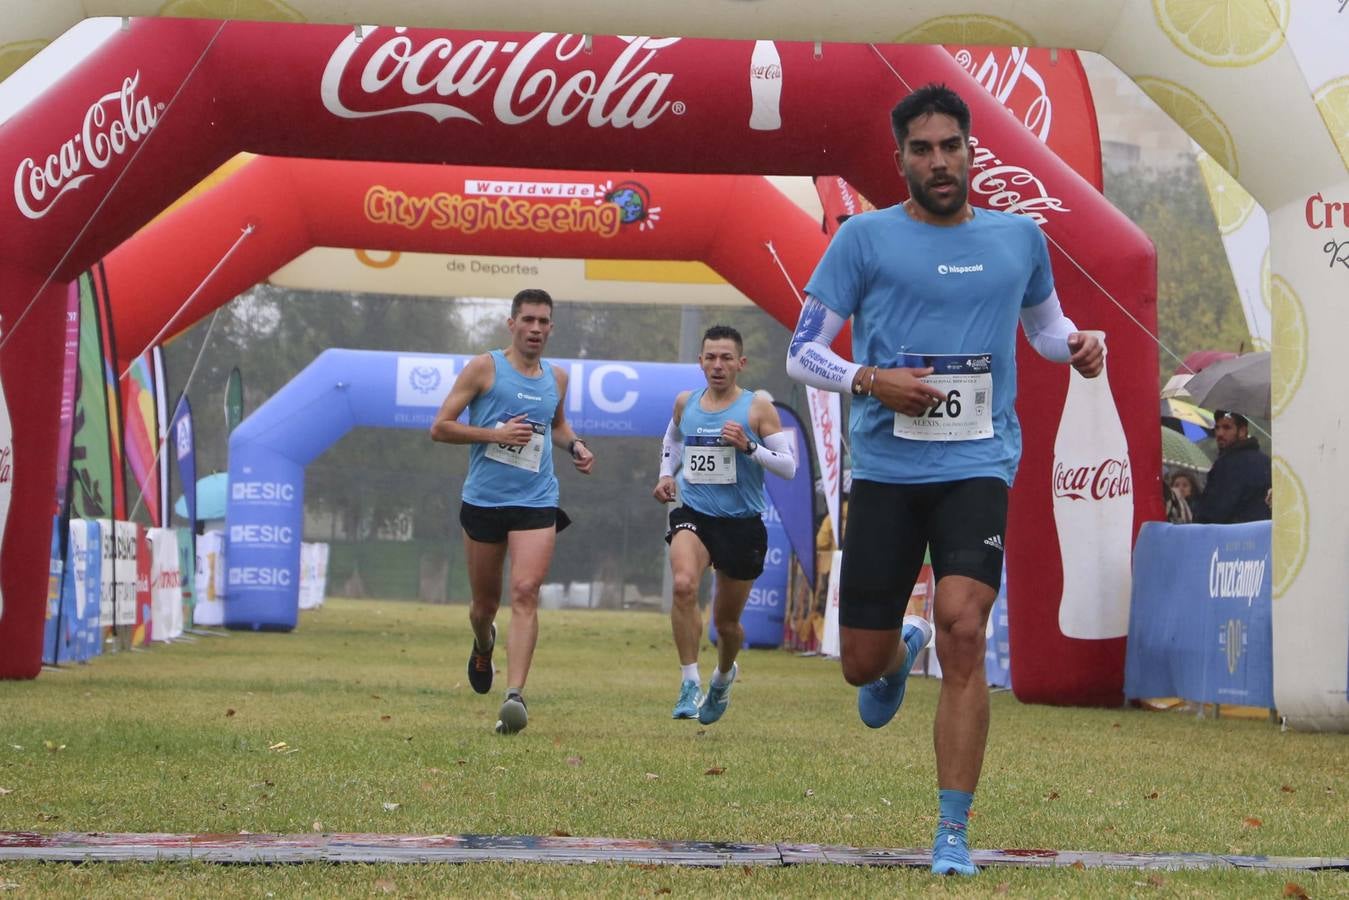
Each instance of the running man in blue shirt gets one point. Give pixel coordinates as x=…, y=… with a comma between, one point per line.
x=934, y=288
x=724, y=436
x=515, y=404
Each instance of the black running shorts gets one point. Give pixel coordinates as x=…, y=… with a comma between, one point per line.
x=890, y=525
x=491, y=524
x=737, y=546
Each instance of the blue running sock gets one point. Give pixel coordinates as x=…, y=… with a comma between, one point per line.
x=950, y=846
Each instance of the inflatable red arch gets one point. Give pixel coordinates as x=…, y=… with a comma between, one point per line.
x=725, y=221
x=163, y=102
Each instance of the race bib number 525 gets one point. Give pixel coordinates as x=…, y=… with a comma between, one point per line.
x=708, y=461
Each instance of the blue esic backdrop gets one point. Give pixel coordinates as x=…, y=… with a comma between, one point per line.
x=344, y=389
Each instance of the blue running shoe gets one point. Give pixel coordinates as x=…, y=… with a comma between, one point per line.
x=878, y=701
x=951, y=852
x=689, y=698
x=717, y=699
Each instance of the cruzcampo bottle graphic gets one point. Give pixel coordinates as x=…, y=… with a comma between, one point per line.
x=1093, y=511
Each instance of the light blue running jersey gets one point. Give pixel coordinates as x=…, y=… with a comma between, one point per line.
x=492, y=483
x=735, y=501
x=925, y=289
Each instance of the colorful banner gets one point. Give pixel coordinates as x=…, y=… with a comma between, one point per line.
x=795, y=499
x=91, y=466
x=187, y=571
x=828, y=432
x=162, y=460
x=61, y=500
x=1199, y=627
x=185, y=452
x=142, y=432
x=234, y=400
x=113, y=391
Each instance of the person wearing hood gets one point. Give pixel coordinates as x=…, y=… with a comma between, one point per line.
x=1239, y=481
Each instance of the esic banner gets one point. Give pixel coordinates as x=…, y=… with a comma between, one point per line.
x=343, y=389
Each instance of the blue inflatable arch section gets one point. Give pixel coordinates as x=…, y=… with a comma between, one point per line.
x=343, y=389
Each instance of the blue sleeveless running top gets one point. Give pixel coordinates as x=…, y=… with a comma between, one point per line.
x=737, y=501
x=494, y=483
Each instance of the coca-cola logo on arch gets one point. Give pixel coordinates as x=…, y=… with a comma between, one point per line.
x=1106, y=480
x=113, y=125
x=380, y=72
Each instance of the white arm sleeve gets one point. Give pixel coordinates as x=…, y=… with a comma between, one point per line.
x=1047, y=328
x=669, y=450
x=776, y=454
x=809, y=358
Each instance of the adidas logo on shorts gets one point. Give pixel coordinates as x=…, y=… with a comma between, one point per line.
x=995, y=542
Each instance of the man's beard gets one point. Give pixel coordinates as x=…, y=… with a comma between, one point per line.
x=934, y=206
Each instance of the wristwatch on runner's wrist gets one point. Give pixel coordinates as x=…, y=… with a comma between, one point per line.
x=750, y=448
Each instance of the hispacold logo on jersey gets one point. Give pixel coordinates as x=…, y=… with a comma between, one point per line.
x=386, y=71
x=113, y=125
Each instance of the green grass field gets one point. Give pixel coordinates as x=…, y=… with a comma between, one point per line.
x=362, y=721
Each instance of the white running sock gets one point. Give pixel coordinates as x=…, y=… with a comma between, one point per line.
x=719, y=677
x=690, y=673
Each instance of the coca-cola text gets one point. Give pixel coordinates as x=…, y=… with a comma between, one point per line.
x=1014, y=189
x=623, y=96
x=104, y=137
x=1103, y=481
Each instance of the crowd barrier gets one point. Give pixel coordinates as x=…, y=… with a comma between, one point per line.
x=1199, y=621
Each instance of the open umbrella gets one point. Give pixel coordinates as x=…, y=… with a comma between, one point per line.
x=211, y=493
x=1200, y=360
x=1240, y=385
x=1179, y=452
x=1175, y=408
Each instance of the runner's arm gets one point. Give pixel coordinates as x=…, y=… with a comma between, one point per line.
x=810, y=360
x=1048, y=329
x=670, y=447
x=777, y=451
x=472, y=381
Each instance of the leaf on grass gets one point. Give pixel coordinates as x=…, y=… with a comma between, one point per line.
x=5, y=790
x=386, y=718
x=1293, y=889
x=53, y=747
x=20, y=747
x=386, y=885
x=498, y=769
x=716, y=770
x=278, y=746
x=391, y=807
x=1288, y=789
x=1153, y=796
x=1003, y=887
x=810, y=792
x=1052, y=795
x=1251, y=822
x=317, y=826
x=1116, y=725
x=558, y=832
x=1156, y=880
x=48, y=817
x=461, y=762
x=229, y=712
x=557, y=742
x=1079, y=865
x=651, y=776
x=574, y=761
x=376, y=697
x=662, y=890
x=886, y=802
x=747, y=870
x=700, y=732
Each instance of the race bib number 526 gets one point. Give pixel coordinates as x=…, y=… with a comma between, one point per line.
x=967, y=412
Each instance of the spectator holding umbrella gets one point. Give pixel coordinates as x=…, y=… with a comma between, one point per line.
x=1239, y=481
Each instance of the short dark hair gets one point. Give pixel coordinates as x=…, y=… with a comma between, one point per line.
x=530, y=295
x=1237, y=418
x=930, y=98
x=722, y=333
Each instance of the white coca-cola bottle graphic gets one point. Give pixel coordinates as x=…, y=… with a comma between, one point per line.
x=6, y=470
x=1093, y=511
x=765, y=87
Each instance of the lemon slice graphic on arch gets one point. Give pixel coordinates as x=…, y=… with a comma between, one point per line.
x=1332, y=101
x=1289, y=361
x=1232, y=206
x=1290, y=529
x=969, y=31
x=1224, y=32
x=1194, y=115
x=253, y=10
